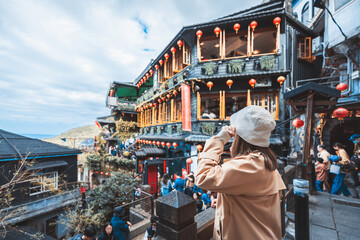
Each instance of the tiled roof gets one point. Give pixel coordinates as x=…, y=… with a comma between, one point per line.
x=11, y=145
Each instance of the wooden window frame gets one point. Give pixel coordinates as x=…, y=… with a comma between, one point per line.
x=221, y=107
x=304, y=43
x=262, y=97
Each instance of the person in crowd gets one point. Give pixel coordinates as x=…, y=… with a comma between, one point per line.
x=199, y=202
x=205, y=115
x=165, y=184
x=179, y=183
x=197, y=189
x=322, y=153
x=151, y=230
x=320, y=170
x=121, y=228
x=205, y=197
x=89, y=234
x=107, y=233
x=190, y=182
x=338, y=183
x=213, y=201
x=355, y=138
x=248, y=184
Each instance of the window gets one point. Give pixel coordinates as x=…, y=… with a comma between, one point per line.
x=236, y=44
x=210, y=48
x=234, y=103
x=304, y=50
x=269, y=101
x=43, y=182
x=186, y=55
x=211, y=106
x=175, y=114
x=340, y=3
x=264, y=41
x=305, y=14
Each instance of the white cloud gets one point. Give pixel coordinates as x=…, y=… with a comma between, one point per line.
x=57, y=58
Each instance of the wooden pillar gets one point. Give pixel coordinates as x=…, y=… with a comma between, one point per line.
x=248, y=102
x=278, y=37
x=306, y=158
x=277, y=106
x=248, y=41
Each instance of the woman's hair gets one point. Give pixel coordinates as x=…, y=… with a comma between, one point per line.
x=165, y=178
x=240, y=147
x=339, y=145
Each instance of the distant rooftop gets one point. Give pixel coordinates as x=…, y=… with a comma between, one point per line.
x=14, y=146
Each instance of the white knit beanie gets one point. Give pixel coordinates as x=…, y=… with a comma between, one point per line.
x=254, y=124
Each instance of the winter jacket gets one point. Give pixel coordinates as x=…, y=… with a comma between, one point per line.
x=120, y=229
x=248, y=204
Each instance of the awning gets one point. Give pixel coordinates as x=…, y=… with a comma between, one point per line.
x=48, y=164
x=162, y=137
x=197, y=138
x=150, y=152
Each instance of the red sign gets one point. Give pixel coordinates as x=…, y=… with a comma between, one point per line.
x=186, y=107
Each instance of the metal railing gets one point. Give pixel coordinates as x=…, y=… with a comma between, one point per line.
x=142, y=203
x=327, y=81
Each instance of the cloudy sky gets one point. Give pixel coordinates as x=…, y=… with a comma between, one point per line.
x=57, y=58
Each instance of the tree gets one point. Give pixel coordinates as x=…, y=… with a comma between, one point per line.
x=102, y=201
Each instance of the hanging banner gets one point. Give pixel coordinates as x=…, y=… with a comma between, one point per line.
x=186, y=107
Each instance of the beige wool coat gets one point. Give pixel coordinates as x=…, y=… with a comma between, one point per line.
x=248, y=205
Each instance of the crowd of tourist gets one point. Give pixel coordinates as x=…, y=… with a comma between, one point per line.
x=331, y=170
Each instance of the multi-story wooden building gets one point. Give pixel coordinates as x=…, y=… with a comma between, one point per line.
x=209, y=71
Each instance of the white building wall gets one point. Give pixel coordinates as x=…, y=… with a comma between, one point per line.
x=347, y=17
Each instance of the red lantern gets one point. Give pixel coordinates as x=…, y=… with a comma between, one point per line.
x=253, y=25
x=229, y=82
x=168, y=144
x=189, y=161
x=281, y=80
x=107, y=174
x=217, y=30
x=158, y=143
x=155, y=104
x=157, y=66
x=166, y=56
x=252, y=82
x=163, y=98
x=175, y=93
x=111, y=92
x=168, y=96
x=150, y=142
x=179, y=43
x=97, y=172
x=342, y=87
x=163, y=144
x=161, y=62
x=175, y=145
x=199, y=147
x=341, y=113
x=102, y=173
x=199, y=33
x=209, y=84
x=147, y=141
x=298, y=123
x=151, y=72
x=147, y=75
x=159, y=100
x=277, y=21
x=173, y=50
x=236, y=27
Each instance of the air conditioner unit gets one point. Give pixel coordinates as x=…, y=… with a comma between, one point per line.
x=355, y=74
x=316, y=45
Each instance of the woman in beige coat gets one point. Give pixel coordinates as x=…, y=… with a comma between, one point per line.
x=249, y=186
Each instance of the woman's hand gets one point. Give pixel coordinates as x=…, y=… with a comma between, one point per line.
x=230, y=130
